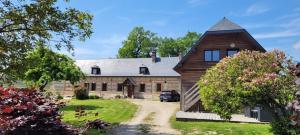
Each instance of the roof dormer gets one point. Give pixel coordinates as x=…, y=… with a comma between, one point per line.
x=95, y=70
x=144, y=70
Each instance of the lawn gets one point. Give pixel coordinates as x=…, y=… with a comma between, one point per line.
x=114, y=110
x=225, y=128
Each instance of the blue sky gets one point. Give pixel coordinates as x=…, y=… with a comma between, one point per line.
x=273, y=23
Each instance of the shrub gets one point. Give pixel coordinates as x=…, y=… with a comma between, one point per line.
x=248, y=79
x=80, y=92
x=25, y=111
x=94, y=97
x=118, y=97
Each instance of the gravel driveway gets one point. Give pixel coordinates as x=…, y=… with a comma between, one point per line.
x=152, y=117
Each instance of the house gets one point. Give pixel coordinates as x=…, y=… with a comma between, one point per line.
x=129, y=77
x=222, y=40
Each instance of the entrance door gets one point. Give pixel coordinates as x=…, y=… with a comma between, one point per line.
x=130, y=91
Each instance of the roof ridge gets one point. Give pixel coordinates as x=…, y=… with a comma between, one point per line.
x=122, y=58
x=225, y=24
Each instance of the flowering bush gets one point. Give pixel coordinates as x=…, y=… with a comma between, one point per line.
x=247, y=79
x=25, y=111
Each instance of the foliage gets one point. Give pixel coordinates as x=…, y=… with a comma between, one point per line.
x=249, y=79
x=81, y=92
x=139, y=44
x=179, y=46
x=218, y=128
x=94, y=97
x=113, y=111
x=23, y=23
x=47, y=66
x=24, y=111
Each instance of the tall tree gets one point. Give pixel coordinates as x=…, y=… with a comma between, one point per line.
x=46, y=66
x=23, y=23
x=139, y=44
x=175, y=47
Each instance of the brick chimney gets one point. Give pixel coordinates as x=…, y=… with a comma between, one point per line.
x=153, y=55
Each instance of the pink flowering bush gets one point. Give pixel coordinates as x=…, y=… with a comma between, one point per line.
x=248, y=79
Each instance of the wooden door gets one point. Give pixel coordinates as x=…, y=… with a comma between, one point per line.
x=130, y=91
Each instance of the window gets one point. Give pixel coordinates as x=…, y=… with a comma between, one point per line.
x=104, y=86
x=142, y=87
x=96, y=70
x=158, y=87
x=93, y=88
x=87, y=86
x=120, y=87
x=212, y=55
x=232, y=52
x=144, y=70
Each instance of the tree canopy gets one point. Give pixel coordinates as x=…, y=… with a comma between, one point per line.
x=141, y=42
x=23, y=23
x=46, y=66
x=175, y=47
x=250, y=79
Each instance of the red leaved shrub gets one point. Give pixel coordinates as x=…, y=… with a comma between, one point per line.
x=25, y=111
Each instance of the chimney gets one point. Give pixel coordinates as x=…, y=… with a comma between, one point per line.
x=180, y=56
x=153, y=55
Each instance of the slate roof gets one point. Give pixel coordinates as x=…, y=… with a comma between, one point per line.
x=225, y=24
x=130, y=67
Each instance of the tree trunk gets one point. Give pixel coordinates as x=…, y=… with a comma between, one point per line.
x=42, y=87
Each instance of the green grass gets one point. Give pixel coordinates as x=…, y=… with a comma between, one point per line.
x=225, y=128
x=113, y=111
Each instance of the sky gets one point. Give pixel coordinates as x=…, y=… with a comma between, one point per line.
x=275, y=24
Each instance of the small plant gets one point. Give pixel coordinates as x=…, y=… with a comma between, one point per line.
x=81, y=92
x=94, y=97
x=59, y=96
x=118, y=97
x=79, y=112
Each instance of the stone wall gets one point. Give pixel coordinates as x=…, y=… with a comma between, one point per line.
x=167, y=83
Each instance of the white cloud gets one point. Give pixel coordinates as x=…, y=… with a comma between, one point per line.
x=280, y=34
x=256, y=9
x=297, y=45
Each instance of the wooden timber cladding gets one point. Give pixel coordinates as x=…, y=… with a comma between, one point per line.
x=195, y=66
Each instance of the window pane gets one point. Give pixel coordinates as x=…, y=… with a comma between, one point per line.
x=142, y=88
x=216, y=55
x=231, y=52
x=104, y=87
x=93, y=87
x=158, y=87
x=120, y=87
x=207, y=56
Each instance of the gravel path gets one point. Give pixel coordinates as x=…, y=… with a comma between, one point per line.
x=154, y=113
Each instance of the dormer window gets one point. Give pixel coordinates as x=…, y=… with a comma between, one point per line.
x=96, y=70
x=144, y=70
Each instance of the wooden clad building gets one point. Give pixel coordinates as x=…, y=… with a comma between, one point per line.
x=222, y=40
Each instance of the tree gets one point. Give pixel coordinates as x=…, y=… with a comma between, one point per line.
x=46, y=66
x=23, y=23
x=139, y=44
x=250, y=79
x=175, y=47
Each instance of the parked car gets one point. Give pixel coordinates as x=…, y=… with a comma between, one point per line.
x=169, y=95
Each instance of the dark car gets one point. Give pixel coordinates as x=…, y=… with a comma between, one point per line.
x=169, y=95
